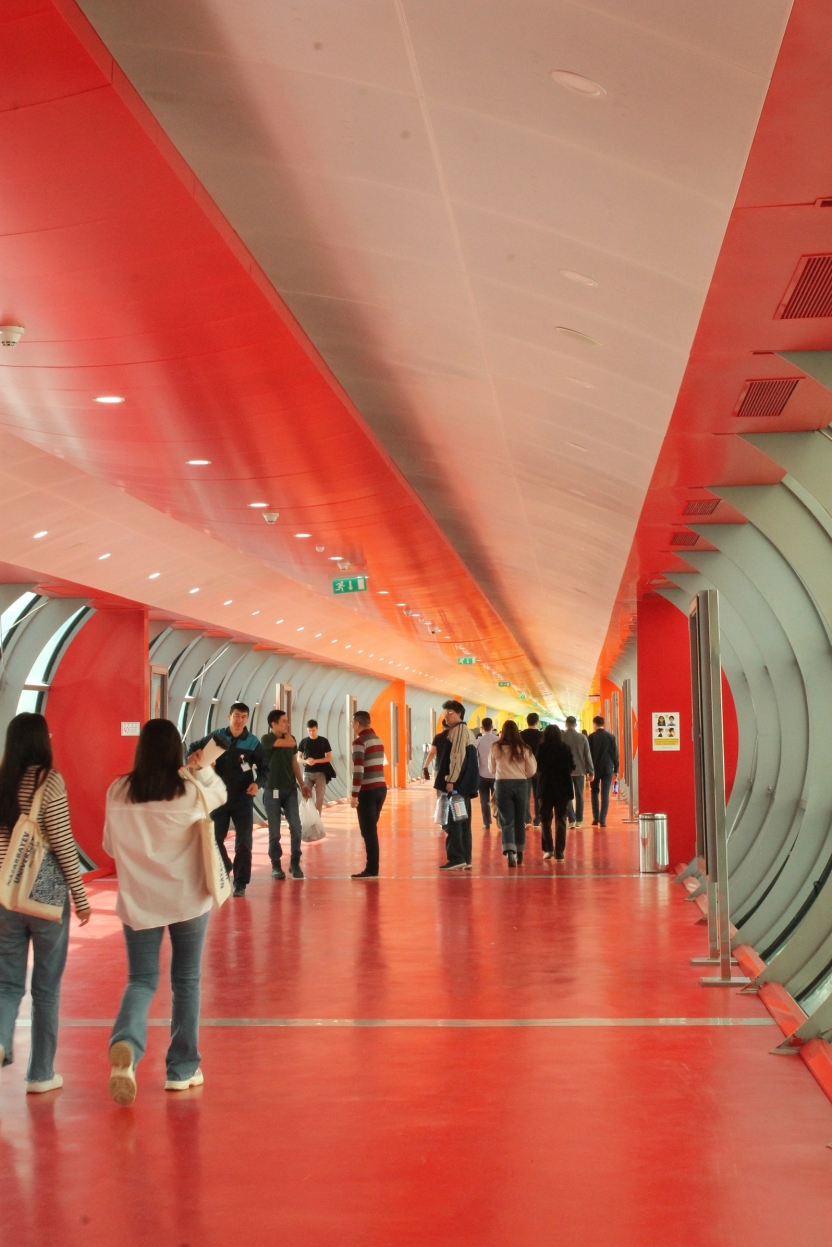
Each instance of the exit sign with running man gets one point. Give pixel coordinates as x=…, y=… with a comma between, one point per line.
x=350, y=584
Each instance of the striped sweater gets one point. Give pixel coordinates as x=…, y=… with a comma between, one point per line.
x=367, y=762
x=54, y=823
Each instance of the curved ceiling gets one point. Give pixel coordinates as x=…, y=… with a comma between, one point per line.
x=422, y=194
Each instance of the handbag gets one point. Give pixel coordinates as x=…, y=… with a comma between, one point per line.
x=216, y=876
x=31, y=879
x=311, y=827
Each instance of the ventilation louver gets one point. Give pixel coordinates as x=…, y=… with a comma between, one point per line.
x=765, y=398
x=701, y=506
x=810, y=291
x=684, y=539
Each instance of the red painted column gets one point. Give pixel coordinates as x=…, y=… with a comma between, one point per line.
x=666, y=779
x=101, y=682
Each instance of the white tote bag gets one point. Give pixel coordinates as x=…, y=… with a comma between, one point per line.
x=31, y=879
x=216, y=876
x=311, y=827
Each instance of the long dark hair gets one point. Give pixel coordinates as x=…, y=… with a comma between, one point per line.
x=156, y=764
x=27, y=744
x=551, y=734
x=511, y=740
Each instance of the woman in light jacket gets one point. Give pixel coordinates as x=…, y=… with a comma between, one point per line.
x=150, y=832
x=26, y=764
x=513, y=764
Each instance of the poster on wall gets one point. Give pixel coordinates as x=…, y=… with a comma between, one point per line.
x=666, y=730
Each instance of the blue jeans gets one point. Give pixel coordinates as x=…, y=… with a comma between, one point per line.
x=575, y=811
x=49, y=942
x=604, y=783
x=286, y=802
x=187, y=939
x=511, y=802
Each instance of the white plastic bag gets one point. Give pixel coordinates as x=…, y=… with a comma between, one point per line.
x=311, y=827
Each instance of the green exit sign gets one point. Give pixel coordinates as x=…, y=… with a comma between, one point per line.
x=504, y=684
x=522, y=696
x=350, y=584
x=466, y=661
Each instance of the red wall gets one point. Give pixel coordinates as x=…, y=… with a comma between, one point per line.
x=665, y=780
x=101, y=681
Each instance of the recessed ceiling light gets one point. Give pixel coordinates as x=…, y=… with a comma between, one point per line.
x=255, y=612
x=347, y=647
x=372, y=655
x=300, y=629
x=258, y=504
x=277, y=621
x=199, y=463
x=103, y=556
x=401, y=603
x=579, y=84
x=303, y=534
x=319, y=549
x=335, y=642
x=385, y=593
x=577, y=381
x=193, y=590
x=575, y=446
x=228, y=603
x=576, y=334
x=154, y=575
x=317, y=634
x=361, y=651
x=44, y=533
x=109, y=398
x=580, y=278
x=335, y=558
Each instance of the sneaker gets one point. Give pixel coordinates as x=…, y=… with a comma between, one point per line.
x=468, y=866
x=175, y=1084
x=595, y=822
x=122, y=1084
x=574, y=825
x=602, y=824
x=48, y=1084
x=519, y=859
x=453, y=866
x=547, y=855
x=365, y=874
x=578, y=826
x=295, y=871
x=559, y=857
x=278, y=872
x=239, y=889
x=512, y=857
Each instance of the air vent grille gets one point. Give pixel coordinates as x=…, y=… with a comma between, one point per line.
x=765, y=398
x=701, y=506
x=684, y=539
x=810, y=292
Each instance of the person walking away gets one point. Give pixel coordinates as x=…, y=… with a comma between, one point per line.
x=435, y=745
x=604, y=749
x=316, y=753
x=554, y=775
x=486, y=779
x=242, y=768
x=457, y=771
x=532, y=736
x=281, y=783
x=26, y=765
x=512, y=763
x=149, y=831
x=369, y=789
x=582, y=759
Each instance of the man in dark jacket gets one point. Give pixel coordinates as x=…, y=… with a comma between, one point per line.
x=604, y=749
x=243, y=767
x=532, y=736
x=457, y=771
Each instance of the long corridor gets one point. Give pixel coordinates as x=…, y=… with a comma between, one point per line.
x=499, y=1057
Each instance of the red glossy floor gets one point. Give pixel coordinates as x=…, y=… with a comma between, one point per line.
x=493, y=1058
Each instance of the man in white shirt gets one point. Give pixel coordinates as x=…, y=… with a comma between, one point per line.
x=583, y=766
x=484, y=743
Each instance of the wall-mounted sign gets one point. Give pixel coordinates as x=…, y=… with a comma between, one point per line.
x=467, y=660
x=522, y=696
x=504, y=684
x=130, y=729
x=666, y=730
x=350, y=584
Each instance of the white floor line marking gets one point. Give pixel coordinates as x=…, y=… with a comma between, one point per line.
x=435, y=1023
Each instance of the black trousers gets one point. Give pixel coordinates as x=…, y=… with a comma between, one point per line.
x=370, y=801
x=548, y=809
x=486, y=789
x=458, y=838
x=239, y=811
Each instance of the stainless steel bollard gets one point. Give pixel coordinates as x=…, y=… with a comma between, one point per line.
x=653, y=855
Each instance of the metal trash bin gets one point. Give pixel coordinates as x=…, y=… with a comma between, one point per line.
x=653, y=855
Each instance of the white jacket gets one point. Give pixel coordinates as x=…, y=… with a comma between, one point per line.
x=158, y=855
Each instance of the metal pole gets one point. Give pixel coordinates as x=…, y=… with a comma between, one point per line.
x=713, y=760
x=394, y=745
x=699, y=771
x=626, y=689
x=351, y=707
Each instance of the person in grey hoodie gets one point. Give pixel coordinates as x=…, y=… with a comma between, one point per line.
x=582, y=758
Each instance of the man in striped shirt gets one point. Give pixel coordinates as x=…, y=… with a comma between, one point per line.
x=368, y=787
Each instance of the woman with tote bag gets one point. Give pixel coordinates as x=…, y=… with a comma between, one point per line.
x=154, y=830
x=29, y=784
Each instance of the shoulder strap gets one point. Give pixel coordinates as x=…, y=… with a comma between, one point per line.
x=37, y=799
x=186, y=775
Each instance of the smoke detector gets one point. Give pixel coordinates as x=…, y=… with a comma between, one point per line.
x=344, y=567
x=271, y=517
x=434, y=630
x=10, y=335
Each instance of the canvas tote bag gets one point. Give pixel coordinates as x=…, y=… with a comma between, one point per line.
x=216, y=876
x=31, y=879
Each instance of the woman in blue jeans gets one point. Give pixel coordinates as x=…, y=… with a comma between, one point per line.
x=513, y=764
x=150, y=832
x=26, y=765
